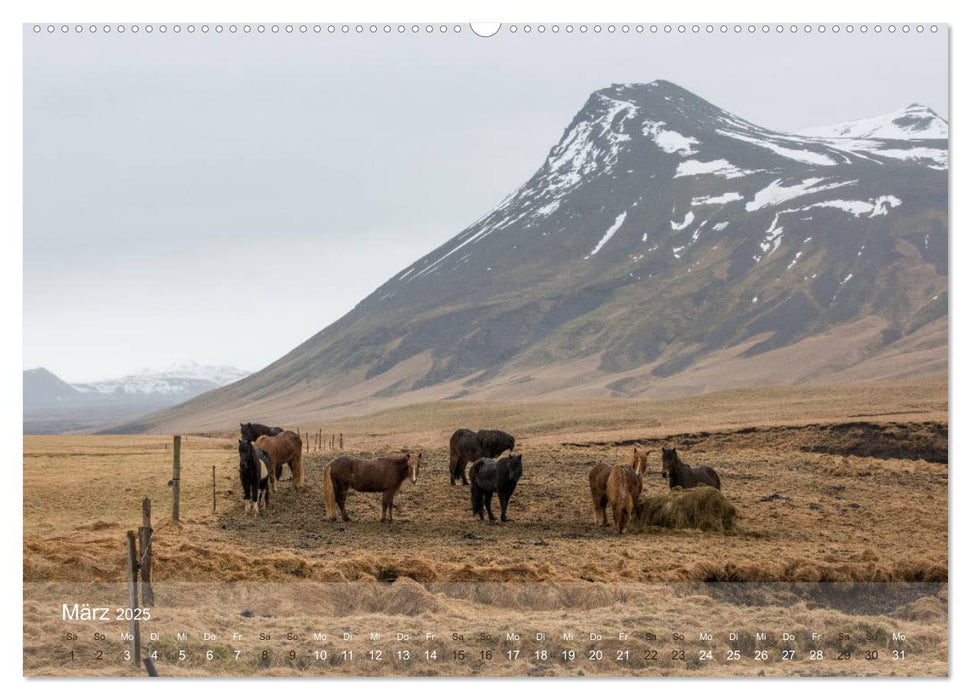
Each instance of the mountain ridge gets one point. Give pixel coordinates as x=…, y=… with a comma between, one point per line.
x=661, y=232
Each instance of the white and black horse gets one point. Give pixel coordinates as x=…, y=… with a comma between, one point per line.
x=254, y=473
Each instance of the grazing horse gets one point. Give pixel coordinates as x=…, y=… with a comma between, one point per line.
x=467, y=446
x=254, y=472
x=285, y=448
x=384, y=474
x=251, y=431
x=600, y=493
x=490, y=475
x=680, y=474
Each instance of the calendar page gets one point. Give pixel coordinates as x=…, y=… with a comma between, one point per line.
x=439, y=349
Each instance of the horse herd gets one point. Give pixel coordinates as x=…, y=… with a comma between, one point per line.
x=263, y=452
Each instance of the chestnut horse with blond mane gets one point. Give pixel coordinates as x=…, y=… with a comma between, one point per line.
x=619, y=486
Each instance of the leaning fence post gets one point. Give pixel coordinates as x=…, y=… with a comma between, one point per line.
x=136, y=647
x=176, y=470
x=145, y=547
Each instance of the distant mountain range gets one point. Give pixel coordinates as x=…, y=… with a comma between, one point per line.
x=664, y=247
x=53, y=405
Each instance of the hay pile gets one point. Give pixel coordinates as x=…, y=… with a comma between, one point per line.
x=701, y=507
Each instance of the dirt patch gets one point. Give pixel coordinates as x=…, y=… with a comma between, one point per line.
x=926, y=441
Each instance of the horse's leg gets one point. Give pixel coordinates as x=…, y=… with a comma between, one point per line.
x=340, y=493
x=476, y=502
x=503, y=502
x=624, y=518
x=462, y=463
x=387, y=503
x=600, y=510
x=488, y=505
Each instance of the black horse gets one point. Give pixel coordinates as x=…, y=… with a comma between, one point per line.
x=466, y=446
x=680, y=474
x=254, y=474
x=251, y=431
x=490, y=475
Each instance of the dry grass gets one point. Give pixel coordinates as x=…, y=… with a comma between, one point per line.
x=804, y=513
x=702, y=508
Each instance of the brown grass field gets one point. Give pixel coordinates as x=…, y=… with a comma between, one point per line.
x=841, y=496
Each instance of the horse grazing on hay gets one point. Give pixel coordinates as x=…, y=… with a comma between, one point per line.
x=680, y=474
x=254, y=472
x=614, y=485
x=285, y=448
x=467, y=446
x=251, y=431
x=491, y=475
x=385, y=474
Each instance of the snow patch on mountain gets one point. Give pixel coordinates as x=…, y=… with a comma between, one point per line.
x=915, y=121
x=590, y=146
x=776, y=192
x=798, y=154
x=688, y=218
x=719, y=167
x=937, y=157
x=668, y=140
x=880, y=206
x=716, y=199
x=873, y=207
x=618, y=222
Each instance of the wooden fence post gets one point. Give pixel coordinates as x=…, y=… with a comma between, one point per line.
x=136, y=646
x=176, y=470
x=213, y=489
x=342, y=441
x=145, y=547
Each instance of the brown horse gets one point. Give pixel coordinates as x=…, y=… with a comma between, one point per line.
x=599, y=483
x=384, y=474
x=680, y=474
x=284, y=448
x=623, y=491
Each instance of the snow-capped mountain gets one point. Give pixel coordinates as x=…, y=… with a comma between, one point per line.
x=53, y=405
x=189, y=379
x=664, y=247
x=913, y=122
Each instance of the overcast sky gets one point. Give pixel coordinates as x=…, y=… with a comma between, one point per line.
x=221, y=198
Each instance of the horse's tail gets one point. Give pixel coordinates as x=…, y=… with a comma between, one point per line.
x=623, y=509
x=330, y=500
